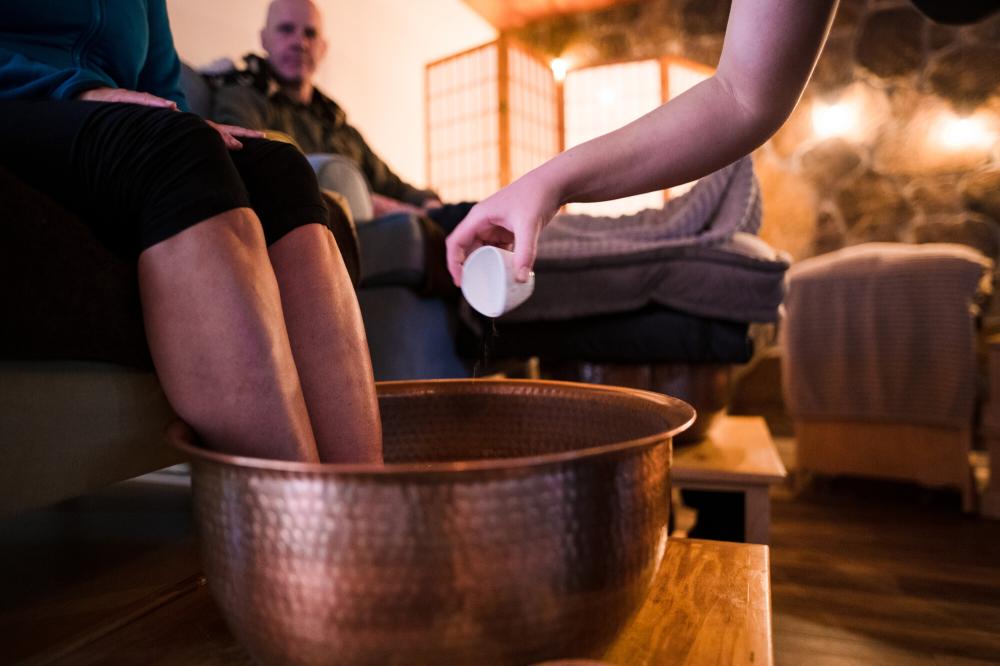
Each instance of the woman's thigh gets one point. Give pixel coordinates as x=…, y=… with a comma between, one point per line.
x=36, y=143
x=136, y=175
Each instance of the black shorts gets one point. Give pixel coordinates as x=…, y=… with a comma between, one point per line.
x=137, y=175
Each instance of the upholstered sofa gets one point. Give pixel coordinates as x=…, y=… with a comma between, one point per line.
x=880, y=367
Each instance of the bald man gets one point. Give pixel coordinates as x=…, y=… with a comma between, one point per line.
x=277, y=93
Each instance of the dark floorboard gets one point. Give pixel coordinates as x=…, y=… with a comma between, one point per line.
x=874, y=572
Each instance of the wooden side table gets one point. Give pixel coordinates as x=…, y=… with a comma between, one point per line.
x=709, y=604
x=737, y=456
x=989, y=503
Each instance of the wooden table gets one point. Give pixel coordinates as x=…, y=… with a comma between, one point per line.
x=737, y=456
x=709, y=604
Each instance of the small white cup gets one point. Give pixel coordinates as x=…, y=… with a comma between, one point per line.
x=489, y=281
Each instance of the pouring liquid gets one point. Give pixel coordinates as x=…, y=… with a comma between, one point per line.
x=489, y=344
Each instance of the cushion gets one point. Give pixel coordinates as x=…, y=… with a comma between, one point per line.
x=741, y=279
x=650, y=335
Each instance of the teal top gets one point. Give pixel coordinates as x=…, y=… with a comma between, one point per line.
x=57, y=49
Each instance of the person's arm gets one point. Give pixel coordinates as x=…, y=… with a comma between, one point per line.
x=382, y=179
x=161, y=73
x=770, y=49
x=24, y=78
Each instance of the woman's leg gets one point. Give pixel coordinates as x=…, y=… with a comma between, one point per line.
x=217, y=335
x=211, y=303
x=320, y=306
x=328, y=341
x=210, y=299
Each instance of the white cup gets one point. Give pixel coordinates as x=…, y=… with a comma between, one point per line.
x=489, y=281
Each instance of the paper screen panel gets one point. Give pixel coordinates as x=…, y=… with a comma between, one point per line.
x=534, y=111
x=463, y=125
x=600, y=99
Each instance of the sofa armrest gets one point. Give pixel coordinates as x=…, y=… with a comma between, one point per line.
x=340, y=174
x=341, y=223
x=396, y=249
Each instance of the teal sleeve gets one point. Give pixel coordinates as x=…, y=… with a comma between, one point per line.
x=23, y=78
x=161, y=74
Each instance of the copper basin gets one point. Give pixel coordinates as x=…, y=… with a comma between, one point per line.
x=513, y=522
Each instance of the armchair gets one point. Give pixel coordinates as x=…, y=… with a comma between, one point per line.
x=880, y=372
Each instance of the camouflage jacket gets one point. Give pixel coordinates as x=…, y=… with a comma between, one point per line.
x=251, y=97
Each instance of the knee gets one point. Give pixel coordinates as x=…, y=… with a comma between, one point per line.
x=284, y=161
x=187, y=177
x=184, y=138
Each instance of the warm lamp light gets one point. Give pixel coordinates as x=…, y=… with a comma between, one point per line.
x=956, y=133
x=559, y=67
x=830, y=120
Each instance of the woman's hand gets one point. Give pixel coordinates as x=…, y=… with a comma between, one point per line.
x=125, y=97
x=514, y=216
x=230, y=132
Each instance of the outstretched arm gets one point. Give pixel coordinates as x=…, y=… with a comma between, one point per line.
x=770, y=49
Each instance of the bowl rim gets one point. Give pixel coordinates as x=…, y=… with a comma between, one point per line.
x=180, y=436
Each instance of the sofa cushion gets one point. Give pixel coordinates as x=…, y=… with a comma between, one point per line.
x=197, y=91
x=70, y=428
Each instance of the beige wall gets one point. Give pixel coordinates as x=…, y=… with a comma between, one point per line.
x=374, y=67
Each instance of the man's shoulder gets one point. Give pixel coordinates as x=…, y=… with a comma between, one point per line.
x=252, y=76
x=324, y=107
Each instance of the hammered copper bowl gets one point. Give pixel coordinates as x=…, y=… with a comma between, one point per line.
x=513, y=522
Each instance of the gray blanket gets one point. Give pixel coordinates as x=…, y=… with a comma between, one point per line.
x=885, y=332
x=698, y=254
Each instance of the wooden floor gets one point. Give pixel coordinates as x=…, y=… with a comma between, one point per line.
x=877, y=573
x=862, y=573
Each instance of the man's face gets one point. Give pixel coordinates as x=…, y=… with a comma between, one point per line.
x=293, y=39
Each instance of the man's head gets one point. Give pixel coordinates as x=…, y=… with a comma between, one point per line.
x=293, y=40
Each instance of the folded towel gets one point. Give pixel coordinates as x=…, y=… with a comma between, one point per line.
x=718, y=206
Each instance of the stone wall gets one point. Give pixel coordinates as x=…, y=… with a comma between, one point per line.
x=899, y=173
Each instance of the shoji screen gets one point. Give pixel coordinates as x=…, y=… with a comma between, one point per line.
x=533, y=102
x=492, y=114
x=600, y=99
x=463, y=123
